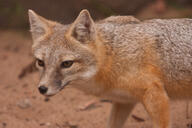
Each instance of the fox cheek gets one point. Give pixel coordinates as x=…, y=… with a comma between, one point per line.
x=58, y=83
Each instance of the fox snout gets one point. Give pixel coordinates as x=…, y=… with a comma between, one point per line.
x=43, y=89
x=50, y=87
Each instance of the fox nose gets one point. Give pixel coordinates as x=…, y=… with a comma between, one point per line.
x=43, y=89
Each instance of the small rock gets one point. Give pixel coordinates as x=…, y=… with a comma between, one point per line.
x=42, y=124
x=69, y=125
x=45, y=124
x=4, y=124
x=189, y=125
x=24, y=104
x=46, y=99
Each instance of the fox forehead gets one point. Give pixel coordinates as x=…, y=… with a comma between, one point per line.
x=51, y=51
x=55, y=44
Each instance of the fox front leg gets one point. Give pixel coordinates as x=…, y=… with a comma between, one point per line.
x=119, y=114
x=156, y=102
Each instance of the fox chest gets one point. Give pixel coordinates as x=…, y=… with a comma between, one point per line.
x=115, y=94
x=118, y=95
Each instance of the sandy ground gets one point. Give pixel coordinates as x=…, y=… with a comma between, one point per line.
x=21, y=105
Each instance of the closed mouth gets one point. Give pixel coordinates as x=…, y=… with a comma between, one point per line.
x=62, y=87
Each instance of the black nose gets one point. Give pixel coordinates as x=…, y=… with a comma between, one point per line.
x=43, y=89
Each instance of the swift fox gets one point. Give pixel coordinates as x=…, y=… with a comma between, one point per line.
x=119, y=58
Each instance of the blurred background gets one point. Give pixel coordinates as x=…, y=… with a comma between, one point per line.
x=21, y=105
x=13, y=13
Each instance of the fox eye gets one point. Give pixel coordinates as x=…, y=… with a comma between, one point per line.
x=40, y=63
x=66, y=64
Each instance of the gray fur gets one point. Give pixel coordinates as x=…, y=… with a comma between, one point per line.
x=173, y=43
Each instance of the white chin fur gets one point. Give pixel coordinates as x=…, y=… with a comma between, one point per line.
x=51, y=92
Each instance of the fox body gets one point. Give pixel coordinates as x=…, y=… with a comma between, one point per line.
x=119, y=58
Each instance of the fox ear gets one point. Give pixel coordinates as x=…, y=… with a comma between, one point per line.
x=39, y=26
x=83, y=28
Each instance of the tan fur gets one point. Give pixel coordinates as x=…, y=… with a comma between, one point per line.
x=113, y=62
x=121, y=20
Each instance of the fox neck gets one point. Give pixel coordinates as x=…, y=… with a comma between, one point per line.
x=106, y=76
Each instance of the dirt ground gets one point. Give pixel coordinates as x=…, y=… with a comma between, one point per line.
x=21, y=105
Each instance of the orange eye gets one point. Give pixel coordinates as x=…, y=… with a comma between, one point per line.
x=40, y=63
x=66, y=64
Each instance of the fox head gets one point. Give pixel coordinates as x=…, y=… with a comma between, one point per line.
x=65, y=54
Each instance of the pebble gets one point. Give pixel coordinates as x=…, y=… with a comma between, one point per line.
x=24, y=104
